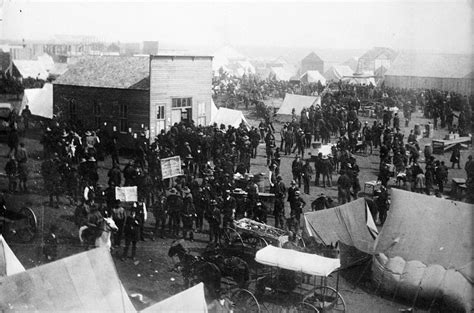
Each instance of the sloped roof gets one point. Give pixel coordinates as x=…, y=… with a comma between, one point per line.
x=189, y=300
x=85, y=282
x=5, y=61
x=375, y=52
x=431, y=65
x=313, y=77
x=337, y=72
x=297, y=102
x=108, y=72
x=40, y=100
x=350, y=223
x=31, y=68
x=229, y=117
x=430, y=230
x=9, y=263
x=312, y=57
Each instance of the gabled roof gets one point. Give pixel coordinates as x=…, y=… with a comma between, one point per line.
x=85, y=282
x=31, y=68
x=337, y=72
x=375, y=52
x=281, y=73
x=108, y=72
x=297, y=102
x=312, y=57
x=352, y=63
x=432, y=65
x=9, y=263
x=313, y=77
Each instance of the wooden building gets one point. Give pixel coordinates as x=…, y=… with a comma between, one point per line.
x=135, y=95
x=312, y=62
x=180, y=90
x=375, y=58
x=448, y=72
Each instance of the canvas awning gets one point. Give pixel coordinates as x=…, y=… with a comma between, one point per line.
x=40, y=100
x=293, y=260
x=229, y=117
x=190, y=300
x=9, y=263
x=350, y=223
x=297, y=102
x=85, y=282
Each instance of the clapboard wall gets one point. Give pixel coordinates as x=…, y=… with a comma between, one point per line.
x=180, y=77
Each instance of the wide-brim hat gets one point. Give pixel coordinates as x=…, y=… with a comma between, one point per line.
x=172, y=191
x=91, y=159
x=88, y=133
x=245, y=137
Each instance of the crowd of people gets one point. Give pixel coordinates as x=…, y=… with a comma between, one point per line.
x=217, y=185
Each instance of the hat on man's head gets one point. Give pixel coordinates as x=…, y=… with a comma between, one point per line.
x=186, y=190
x=88, y=133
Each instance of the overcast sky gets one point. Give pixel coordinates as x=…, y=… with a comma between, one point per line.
x=439, y=26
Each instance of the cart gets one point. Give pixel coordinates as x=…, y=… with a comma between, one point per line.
x=21, y=224
x=297, y=281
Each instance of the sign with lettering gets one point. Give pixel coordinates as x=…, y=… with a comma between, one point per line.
x=171, y=167
x=126, y=194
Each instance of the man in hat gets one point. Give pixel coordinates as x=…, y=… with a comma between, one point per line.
x=280, y=193
x=296, y=169
x=326, y=170
x=174, y=203
x=11, y=169
x=118, y=215
x=229, y=206
x=343, y=187
x=131, y=232
x=306, y=173
x=188, y=214
x=260, y=212
x=297, y=206
x=214, y=220
x=51, y=177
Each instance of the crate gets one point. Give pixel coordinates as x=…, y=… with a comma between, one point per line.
x=371, y=187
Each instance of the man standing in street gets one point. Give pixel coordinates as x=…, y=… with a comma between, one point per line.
x=280, y=193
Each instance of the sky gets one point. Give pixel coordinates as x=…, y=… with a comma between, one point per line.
x=438, y=26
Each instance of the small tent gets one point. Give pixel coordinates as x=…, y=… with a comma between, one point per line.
x=280, y=74
x=424, y=251
x=85, y=282
x=9, y=263
x=189, y=300
x=313, y=77
x=229, y=117
x=297, y=102
x=40, y=100
x=337, y=72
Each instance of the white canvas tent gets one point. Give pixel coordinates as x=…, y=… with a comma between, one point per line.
x=85, y=282
x=337, y=72
x=190, y=300
x=313, y=77
x=280, y=73
x=40, y=100
x=9, y=263
x=229, y=117
x=297, y=102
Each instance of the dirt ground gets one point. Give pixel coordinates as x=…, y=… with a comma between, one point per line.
x=150, y=275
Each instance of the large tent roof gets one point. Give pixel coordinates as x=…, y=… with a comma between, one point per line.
x=297, y=102
x=189, y=300
x=229, y=117
x=31, y=68
x=280, y=73
x=9, y=263
x=40, y=100
x=85, y=282
x=337, y=72
x=313, y=77
x=350, y=223
x=429, y=230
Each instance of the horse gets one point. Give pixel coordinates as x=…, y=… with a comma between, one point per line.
x=232, y=266
x=195, y=270
x=106, y=227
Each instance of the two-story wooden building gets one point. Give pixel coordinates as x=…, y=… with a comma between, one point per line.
x=140, y=94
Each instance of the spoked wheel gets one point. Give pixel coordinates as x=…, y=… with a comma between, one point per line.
x=304, y=307
x=326, y=299
x=254, y=242
x=27, y=227
x=244, y=301
x=229, y=237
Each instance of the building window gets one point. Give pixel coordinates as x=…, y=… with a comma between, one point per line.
x=160, y=112
x=181, y=102
x=72, y=110
x=123, y=113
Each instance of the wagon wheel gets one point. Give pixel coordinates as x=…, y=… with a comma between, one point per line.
x=305, y=307
x=244, y=301
x=27, y=227
x=255, y=242
x=326, y=299
x=229, y=237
